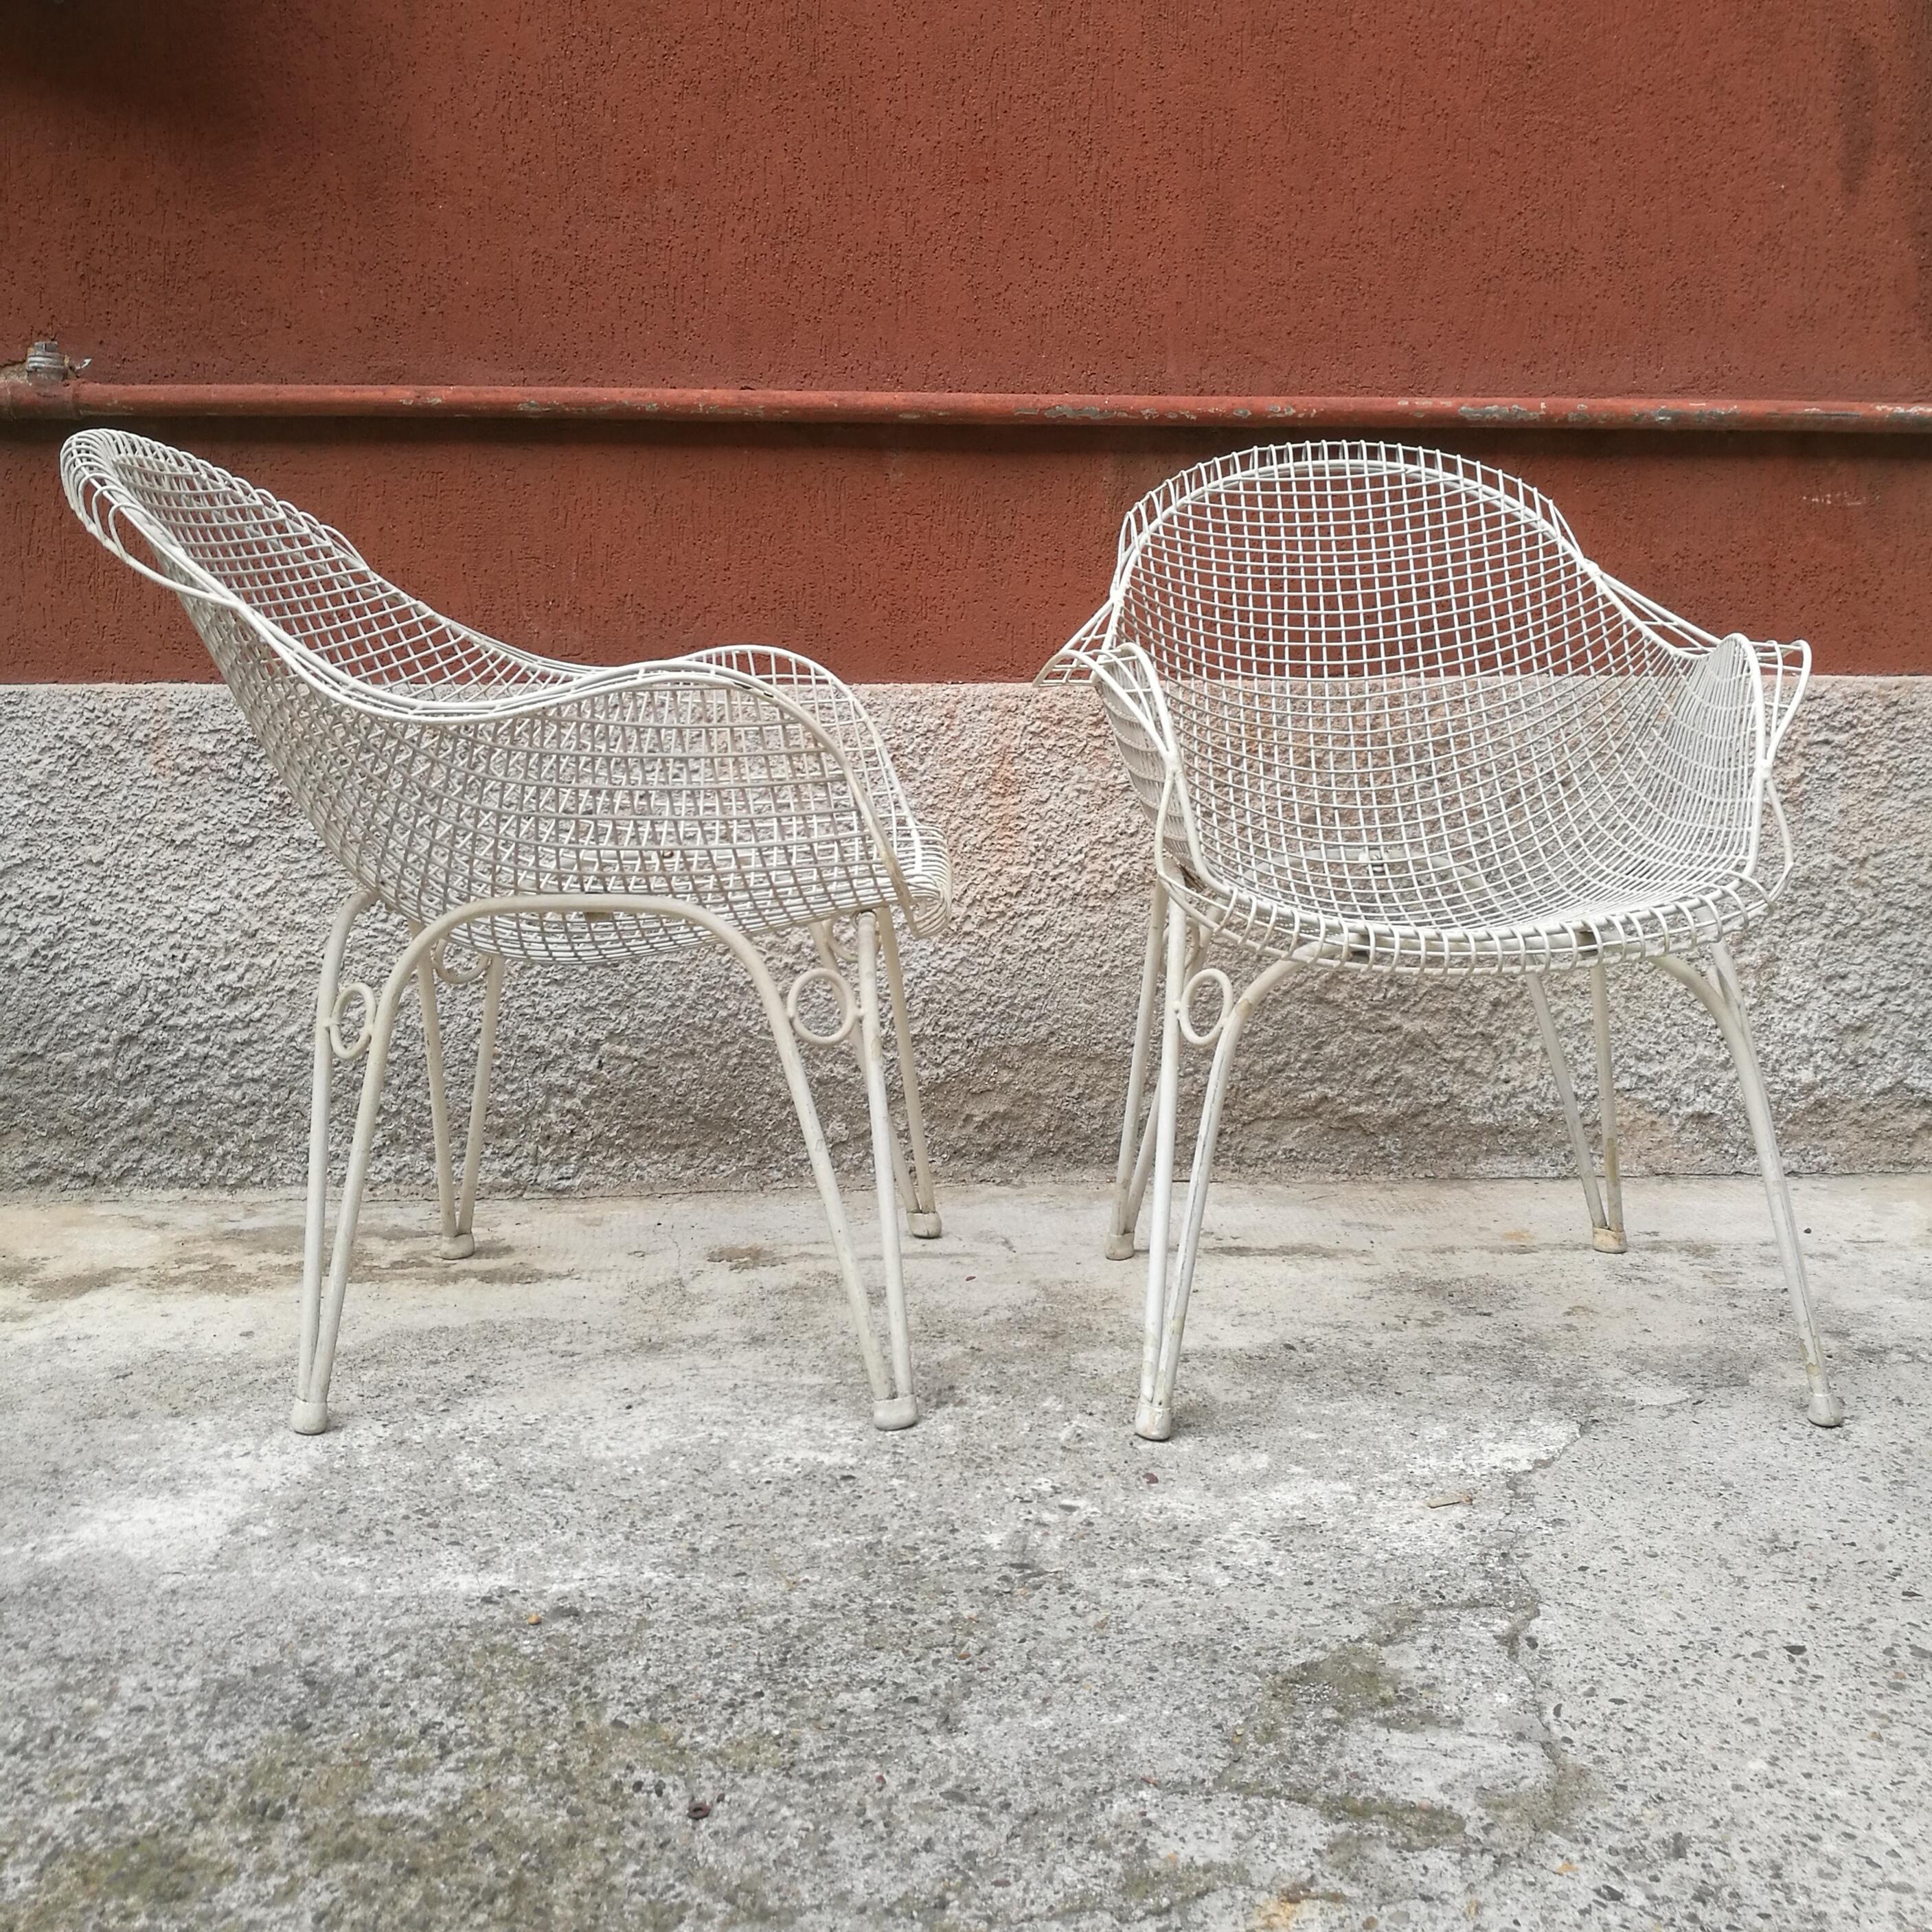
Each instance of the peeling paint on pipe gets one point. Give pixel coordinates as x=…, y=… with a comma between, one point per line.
x=86, y=401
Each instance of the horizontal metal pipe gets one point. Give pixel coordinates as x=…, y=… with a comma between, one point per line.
x=81, y=400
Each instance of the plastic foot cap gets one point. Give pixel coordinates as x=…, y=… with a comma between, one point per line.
x=309, y=1418
x=1153, y=1424
x=1609, y=1241
x=923, y=1227
x=1120, y=1247
x=1824, y=1409
x=901, y=1412
x=457, y=1247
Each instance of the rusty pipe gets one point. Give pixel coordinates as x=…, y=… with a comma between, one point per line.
x=79, y=400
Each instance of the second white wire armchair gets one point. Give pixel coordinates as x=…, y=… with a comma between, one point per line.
x=1385, y=715
x=524, y=809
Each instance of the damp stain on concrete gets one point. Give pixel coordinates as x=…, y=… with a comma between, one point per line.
x=743, y=1257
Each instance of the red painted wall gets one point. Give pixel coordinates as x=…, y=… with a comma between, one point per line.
x=957, y=555
x=1679, y=197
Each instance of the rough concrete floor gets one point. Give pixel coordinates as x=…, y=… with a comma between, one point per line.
x=604, y=1605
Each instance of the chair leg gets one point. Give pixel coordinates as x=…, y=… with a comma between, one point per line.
x=890, y=1410
x=450, y=1246
x=1719, y=991
x=1161, y=1131
x=1130, y=1173
x=322, y=1304
x=922, y=1205
x=1156, y=1421
x=903, y=1411
x=317, y=1363
x=1606, y=1225
x=328, y=1050
x=479, y=1108
x=1606, y=1113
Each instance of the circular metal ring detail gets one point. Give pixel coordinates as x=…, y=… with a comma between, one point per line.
x=465, y=969
x=361, y=994
x=848, y=1007
x=1213, y=976
x=834, y=947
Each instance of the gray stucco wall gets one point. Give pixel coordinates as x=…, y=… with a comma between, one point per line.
x=163, y=909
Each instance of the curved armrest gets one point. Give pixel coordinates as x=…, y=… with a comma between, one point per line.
x=1124, y=671
x=834, y=706
x=827, y=698
x=1785, y=670
x=798, y=698
x=1077, y=661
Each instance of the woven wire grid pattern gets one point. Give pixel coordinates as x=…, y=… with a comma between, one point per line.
x=1391, y=714
x=442, y=767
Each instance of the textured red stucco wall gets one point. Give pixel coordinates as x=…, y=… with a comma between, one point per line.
x=960, y=555
x=1678, y=196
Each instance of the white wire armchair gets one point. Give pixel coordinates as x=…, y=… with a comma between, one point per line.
x=532, y=810
x=1385, y=715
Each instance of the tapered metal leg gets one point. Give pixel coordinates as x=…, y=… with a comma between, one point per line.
x=922, y=1205
x=1719, y=991
x=1607, y=1232
x=1130, y=1173
x=890, y=1410
x=1611, y=1237
x=1156, y=1420
x=1161, y=1129
x=1159, y=1415
x=316, y=1230
x=479, y=1104
x=451, y=1246
x=310, y=1415
x=902, y=1410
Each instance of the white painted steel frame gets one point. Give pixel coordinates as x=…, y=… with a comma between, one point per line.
x=1385, y=715
x=525, y=808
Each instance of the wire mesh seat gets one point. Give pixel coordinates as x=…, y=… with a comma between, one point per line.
x=1385, y=715
x=530, y=809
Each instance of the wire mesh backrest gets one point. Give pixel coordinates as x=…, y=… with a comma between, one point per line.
x=304, y=581
x=745, y=780
x=1386, y=669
